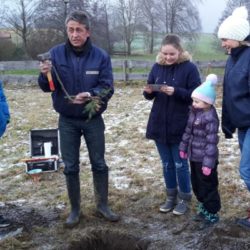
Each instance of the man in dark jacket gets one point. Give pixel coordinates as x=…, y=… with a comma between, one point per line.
x=81, y=85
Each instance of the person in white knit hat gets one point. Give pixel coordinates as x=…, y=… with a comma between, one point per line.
x=234, y=34
x=200, y=145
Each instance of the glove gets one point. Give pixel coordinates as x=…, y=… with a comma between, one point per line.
x=206, y=171
x=227, y=132
x=183, y=155
x=228, y=136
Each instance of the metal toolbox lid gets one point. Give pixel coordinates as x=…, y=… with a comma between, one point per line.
x=37, y=139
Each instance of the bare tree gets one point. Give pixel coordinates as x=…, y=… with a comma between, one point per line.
x=20, y=21
x=44, y=39
x=150, y=17
x=127, y=18
x=51, y=15
x=100, y=26
x=231, y=5
x=2, y=12
x=180, y=16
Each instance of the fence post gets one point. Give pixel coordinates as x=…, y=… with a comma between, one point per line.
x=125, y=70
x=130, y=66
x=1, y=69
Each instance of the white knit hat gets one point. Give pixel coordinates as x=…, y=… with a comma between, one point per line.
x=235, y=27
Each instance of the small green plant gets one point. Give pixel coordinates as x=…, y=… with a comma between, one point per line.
x=95, y=102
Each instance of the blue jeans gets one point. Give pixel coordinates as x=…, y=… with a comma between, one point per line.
x=175, y=170
x=71, y=131
x=244, y=143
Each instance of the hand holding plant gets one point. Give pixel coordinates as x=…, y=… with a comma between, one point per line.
x=94, y=103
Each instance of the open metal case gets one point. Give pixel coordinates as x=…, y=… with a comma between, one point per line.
x=38, y=160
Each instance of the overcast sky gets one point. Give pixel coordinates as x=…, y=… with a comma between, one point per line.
x=210, y=13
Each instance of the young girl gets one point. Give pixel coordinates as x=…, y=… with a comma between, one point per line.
x=170, y=84
x=200, y=145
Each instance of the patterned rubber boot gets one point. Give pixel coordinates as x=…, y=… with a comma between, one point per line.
x=200, y=214
x=209, y=220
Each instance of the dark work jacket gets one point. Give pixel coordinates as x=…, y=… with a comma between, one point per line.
x=86, y=71
x=169, y=114
x=200, y=139
x=236, y=91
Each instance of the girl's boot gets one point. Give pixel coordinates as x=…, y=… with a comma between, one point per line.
x=183, y=203
x=170, y=202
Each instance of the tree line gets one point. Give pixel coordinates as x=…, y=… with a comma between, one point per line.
x=39, y=24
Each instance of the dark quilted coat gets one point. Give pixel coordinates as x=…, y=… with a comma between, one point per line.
x=200, y=139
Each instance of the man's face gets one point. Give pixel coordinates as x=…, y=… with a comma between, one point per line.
x=77, y=33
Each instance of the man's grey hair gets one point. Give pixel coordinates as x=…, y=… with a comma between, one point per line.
x=80, y=17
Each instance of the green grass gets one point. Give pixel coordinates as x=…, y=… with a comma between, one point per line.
x=21, y=72
x=207, y=48
x=137, y=57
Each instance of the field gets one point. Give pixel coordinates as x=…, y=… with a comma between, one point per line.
x=38, y=210
x=206, y=48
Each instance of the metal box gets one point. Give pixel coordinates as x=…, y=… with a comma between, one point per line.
x=38, y=160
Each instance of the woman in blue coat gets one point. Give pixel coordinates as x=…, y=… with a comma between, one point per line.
x=234, y=34
x=175, y=77
x=4, y=119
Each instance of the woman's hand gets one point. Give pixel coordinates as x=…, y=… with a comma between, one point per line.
x=148, y=89
x=169, y=90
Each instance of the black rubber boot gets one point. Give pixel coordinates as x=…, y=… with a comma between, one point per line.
x=101, y=197
x=73, y=186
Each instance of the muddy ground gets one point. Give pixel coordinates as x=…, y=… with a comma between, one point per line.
x=38, y=209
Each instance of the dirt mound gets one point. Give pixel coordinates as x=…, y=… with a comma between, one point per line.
x=25, y=218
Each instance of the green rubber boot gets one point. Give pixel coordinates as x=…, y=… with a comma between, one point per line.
x=73, y=186
x=101, y=197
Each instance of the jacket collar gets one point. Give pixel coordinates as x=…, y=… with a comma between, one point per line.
x=80, y=51
x=235, y=52
x=184, y=56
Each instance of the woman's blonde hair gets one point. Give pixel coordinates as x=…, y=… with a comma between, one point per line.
x=174, y=40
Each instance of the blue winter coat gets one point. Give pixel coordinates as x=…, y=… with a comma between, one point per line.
x=169, y=114
x=4, y=111
x=86, y=71
x=236, y=91
x=200, y=139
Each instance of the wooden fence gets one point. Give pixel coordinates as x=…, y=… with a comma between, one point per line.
x=127, y=69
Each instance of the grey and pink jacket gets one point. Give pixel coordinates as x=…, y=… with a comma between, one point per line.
x=200, y=139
